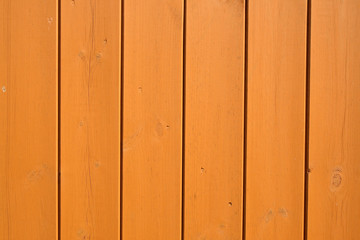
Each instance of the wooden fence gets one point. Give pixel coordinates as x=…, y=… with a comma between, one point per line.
x=179, y=119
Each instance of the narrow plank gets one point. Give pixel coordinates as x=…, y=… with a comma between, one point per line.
x=90, y=119
x=214, y=117
x=276, y=119
x=152, y=152
x=28, y=119
x=334, y=146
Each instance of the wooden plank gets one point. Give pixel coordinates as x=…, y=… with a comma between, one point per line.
x=214, y=117
x=152, y=152
x=334, y=146
x=276, y=119
x=28, y=119
x=90, y=119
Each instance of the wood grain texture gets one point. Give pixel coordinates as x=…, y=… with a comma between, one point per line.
x=90, y=119
x=276, y=119
x=214, y=117
x=28, y=119
x=152, y=157
x=334, y=145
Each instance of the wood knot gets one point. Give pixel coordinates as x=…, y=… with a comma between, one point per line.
x=283, y=212
x=268, y=216
x=336, y=179
x=99, y=55
x=82, y=55
x=97, y=164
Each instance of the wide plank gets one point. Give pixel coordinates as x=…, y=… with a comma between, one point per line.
x=152, y=119
x=214, y=118
x=276, y=119
x=28, y=119
x=90, y=119
x=334, y=121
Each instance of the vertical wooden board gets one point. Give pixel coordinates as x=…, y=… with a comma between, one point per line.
x=334, y=145
x=276, y=119
x=28, y=119
x=152, y=155
x=90, y=119
x=214, y=117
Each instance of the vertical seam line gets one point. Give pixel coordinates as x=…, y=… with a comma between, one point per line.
x=59, y=119
x=245, y=115
x=307, y=119
x=121, y=118
x=183, y=121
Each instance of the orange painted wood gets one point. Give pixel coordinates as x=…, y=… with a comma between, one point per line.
x=276, y=119
x=152, y=152
x=334, y=144
x=214, y=117
x=28, y=119
x=90, y=119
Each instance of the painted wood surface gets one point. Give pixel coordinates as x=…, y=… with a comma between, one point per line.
x=334, y=143
x=214, y=114
x=90, y=119
x=137, y=130
x=28, y=119
x=276, y=119
x=152, y=119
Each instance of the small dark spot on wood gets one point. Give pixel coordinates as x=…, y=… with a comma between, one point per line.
x=81, y=55
x=105, y=41
x=202, y=170
x=230, y=204
x=140, y=89
x=167, y=126
x=98, y=56
x=73, y=2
